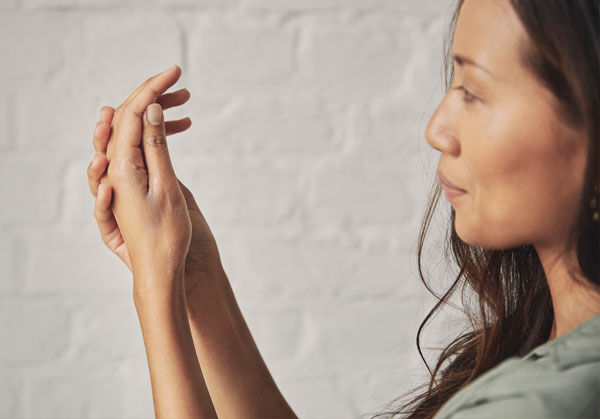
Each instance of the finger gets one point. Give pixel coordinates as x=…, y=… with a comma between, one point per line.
x=101, y=136
x=173, y=127
x=95, y=171
x=107, y=224
x=158, y=162
x=151, y=89
x=106, y=114
x=177, y=98
x=131, y=112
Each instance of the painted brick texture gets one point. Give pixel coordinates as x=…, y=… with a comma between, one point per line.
x=306, y=155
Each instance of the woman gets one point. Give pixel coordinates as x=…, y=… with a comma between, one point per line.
x=518, y=134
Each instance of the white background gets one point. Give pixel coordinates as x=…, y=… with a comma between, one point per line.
x=306, y=155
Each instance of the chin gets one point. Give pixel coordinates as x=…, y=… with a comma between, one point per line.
x=483, y=236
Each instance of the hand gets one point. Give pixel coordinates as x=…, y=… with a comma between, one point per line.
x=147, y=203
x=109, y=229
x=203, y=259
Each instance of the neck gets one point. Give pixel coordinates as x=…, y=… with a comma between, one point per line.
x=574, y=299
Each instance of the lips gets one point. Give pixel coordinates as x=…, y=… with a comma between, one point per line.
x=448, y=183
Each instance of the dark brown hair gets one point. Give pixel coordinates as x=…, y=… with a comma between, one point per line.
x=514, y=313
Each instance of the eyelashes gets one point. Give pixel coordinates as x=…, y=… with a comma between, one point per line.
x=468, y=97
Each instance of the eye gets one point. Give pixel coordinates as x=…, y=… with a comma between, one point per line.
x=468, y=96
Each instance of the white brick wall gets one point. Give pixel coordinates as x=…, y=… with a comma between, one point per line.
x=306, y=155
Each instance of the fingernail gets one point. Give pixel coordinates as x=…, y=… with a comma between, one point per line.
x=154, y=113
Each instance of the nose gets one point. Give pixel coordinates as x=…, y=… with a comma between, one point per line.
x=441, y=132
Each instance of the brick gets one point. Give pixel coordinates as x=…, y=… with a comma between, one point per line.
x=78, y=201
x=40, y=36
x=10, y=390
x=423, y=86
x=389, y=131
x=278, y=334
x=308, y=270
x=89, y=267
x=86, y=396
x=31, y=186
x=350, y=194
x=144, y=5
x=211, y=131
x=289, y=125
x=240, y=194
x=32, y=329
x=105, y=330
x=235, y=56
x=306, y=157
x=8, y=263
x=6, y=121
x=9, y=4
x=122, y=50
x=426, y=6
x=355, y=62
x=315, y=397
x=367, y=389
x=343, y=338
x=64, y=120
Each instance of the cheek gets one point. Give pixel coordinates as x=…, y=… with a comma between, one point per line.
x=517, y=173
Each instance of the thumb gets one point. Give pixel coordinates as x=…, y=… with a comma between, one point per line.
x=154, y=140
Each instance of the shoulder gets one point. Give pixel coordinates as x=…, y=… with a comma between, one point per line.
x=556, y=380
x=541, y=396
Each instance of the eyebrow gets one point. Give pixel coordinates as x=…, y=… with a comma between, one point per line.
x=460, y=60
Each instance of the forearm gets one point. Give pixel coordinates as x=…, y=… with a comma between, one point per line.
x=237, y=378
x=178, y=387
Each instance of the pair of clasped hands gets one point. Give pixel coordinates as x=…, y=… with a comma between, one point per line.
x=145, y=215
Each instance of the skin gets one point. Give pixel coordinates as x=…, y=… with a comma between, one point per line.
x=188, y=313
x=150, y=210
x=502, y=140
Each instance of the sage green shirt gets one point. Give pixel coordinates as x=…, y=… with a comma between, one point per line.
x=558, y=379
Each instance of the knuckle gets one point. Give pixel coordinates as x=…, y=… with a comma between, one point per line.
x=138, y=168
x=92, y=169
x=98, y=213
x=114, y=170
x=92, y=176
x=128, y=110
x=119, y=111
x=124, y=109
x=164, y=200
x=153, y=90
x=155, y=141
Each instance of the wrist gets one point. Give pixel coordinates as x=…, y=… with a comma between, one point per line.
x=205, y=292
x=197, y=281
x=157, y=284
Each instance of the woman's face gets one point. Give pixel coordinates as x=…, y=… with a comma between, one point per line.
x=504, y=143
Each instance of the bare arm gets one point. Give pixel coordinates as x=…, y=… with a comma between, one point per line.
x=238, y=380
x=239, y=383
x=178, y=387
x=151, y=214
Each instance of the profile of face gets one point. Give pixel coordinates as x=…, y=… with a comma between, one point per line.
x=502, y=140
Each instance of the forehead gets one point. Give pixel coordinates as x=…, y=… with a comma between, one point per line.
x=490, y=33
